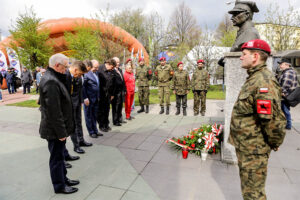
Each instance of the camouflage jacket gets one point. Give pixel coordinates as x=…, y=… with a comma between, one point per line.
x=143, y=75
x=164, y=75
x=200, y=79
x=181, y=82
x=257, y=121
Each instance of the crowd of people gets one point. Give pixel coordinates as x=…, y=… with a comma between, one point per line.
x=65, y=86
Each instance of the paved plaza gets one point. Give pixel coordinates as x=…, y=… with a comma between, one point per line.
x=133, y=162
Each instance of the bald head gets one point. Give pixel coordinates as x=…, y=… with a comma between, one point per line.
x=117, y=61
x=95, y=65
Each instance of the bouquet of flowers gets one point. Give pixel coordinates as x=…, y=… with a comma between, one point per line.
x=205, y=139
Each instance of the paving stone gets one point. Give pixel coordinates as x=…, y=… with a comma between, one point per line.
x=138, y=196
x=293, y=175
x=149, y=146
x=105, y=193
x=139, y=155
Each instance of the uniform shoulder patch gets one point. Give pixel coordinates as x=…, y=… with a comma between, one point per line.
x=264, y=107
x=263, y=90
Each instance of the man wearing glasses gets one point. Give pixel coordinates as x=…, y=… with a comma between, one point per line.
x=57, y=121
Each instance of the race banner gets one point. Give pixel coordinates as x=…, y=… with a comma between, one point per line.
x=13, y=60
x=3, y=63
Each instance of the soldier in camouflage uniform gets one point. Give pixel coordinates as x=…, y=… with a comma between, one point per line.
x=181, y=87
x=200, y=85
x=257, y=123
x=164, y=74
x=143, y=76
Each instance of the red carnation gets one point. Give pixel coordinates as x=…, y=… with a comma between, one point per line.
x=192, y=137
x=187, y=136
x=184, y=142
x=193, y=145
x=178, y=140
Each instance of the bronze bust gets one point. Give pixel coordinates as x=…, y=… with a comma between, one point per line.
x=242, y=15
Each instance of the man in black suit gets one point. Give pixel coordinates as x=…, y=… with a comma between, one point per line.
x=91, y=94
x=57, y=121
x=107, y=88
x=117, y=102
x=74, y=86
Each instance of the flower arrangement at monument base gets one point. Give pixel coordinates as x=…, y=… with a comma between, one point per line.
x=202, y=141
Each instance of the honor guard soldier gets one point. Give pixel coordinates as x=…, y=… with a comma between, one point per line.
x=257, y=121
x=200, y=85
x=143, y=76
x=181, y=87
x=164, y=74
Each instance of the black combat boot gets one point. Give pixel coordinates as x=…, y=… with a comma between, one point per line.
x=167, y=111
x=142, y=109
x=162, y=110
x=147, y=109
x=178, y=111
x=184, y=111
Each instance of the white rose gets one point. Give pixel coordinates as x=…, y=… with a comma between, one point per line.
x=199, y=140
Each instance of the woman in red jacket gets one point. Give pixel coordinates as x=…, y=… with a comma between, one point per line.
x=130, y=86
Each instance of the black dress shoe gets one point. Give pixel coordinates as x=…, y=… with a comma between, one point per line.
x=79, y=150
x=104, y=129
x=67, y=190
x=128, y=118
x=68, y=165
x=85, y=144
x=108, y=128
x=71, y=158
x=93, y=136
x=118, y=124
x=70, y=182
x=99, y=134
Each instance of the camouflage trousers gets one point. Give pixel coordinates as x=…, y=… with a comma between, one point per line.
x=164, y=93
x=199, y=98
x=253, y=174
x=144, y=95
x=179, y=99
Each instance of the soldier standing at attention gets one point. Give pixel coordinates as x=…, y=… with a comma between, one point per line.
x=257, y=121
x=164, y=75
x=200, y=85
x=143, y=76
x=181, y=87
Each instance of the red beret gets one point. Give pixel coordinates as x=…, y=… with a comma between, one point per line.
x=257, y=44
x=200, y=61
x=179, y=63
x=129, y=59
x=141, y=59
x=162, y=59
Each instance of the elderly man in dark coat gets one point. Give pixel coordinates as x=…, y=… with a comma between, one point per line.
x=57, y=121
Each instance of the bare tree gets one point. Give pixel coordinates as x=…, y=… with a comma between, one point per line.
x=281, y=27
x=182, y=26
x=208, y=51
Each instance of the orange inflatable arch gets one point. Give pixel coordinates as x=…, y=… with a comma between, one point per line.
x=58, y=27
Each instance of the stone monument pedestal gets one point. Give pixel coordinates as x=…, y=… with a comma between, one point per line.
x=235, y=77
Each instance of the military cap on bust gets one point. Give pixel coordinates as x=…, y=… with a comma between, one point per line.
x=241, y=6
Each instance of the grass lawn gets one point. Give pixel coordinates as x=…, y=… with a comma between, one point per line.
x=27, y=103
x=214, y=92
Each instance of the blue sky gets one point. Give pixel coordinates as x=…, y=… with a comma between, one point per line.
x=208, y=12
